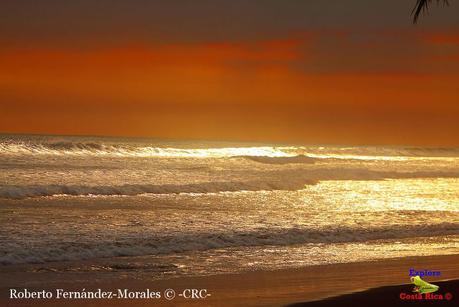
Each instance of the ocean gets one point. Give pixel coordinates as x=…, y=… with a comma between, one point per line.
x=171, y=208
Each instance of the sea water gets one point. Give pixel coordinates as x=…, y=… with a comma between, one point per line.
x=196, y=208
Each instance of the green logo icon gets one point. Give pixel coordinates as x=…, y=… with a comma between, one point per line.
x=423, y=286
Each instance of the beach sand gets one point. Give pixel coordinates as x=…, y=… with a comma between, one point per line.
x=257, y=288
x=390, y=296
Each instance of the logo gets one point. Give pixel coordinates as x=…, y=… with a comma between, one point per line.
x=422, y=286
x=423, y=290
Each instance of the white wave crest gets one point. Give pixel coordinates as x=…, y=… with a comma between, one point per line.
x=101, y=149
x=295, y=154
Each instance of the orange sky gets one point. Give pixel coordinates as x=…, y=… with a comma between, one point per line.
x=378, y=86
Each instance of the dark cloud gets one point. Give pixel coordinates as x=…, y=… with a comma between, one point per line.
x=85, y=22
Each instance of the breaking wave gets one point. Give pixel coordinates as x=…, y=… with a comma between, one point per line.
x=100, y=149
x=14, y=253
x=282, y=180
x=261, y=154
x=20, y=192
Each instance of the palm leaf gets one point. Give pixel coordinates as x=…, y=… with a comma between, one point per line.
x=422, y=6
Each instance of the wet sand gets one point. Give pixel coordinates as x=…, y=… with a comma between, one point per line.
x=258, y=288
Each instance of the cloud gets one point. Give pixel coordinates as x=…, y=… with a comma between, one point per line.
x=320, y=85
x=133, y=55
x=446, y=38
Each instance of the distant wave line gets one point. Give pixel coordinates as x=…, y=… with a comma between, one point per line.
x=279, y=154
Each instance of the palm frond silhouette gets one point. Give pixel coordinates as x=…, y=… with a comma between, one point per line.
x=422, y=6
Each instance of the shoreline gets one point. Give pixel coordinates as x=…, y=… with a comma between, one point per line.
x=256, y=288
